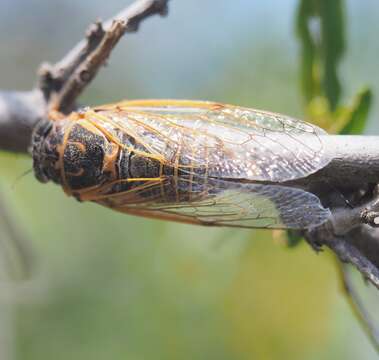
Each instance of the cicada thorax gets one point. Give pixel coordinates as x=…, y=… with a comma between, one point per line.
x=92, y=162
x=74, y=154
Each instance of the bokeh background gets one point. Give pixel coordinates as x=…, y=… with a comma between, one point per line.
x=111, y=286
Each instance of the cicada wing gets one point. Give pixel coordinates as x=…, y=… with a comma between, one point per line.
x=228, y=141
x=223, y=203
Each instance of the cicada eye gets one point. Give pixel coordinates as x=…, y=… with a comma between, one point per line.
x=45, y=129
x=41, y=131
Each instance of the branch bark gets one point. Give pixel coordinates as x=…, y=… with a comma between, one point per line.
x=63, y=82
x=19, y=113
x=347, y=253
x=59, y=85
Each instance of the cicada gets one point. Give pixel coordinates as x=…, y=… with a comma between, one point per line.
x=195, y=162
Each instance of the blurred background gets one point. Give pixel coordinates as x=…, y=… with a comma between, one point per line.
x=108, y=285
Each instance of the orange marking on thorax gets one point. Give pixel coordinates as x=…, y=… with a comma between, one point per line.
x=55, y=115
x=80, y=172
x=112, y=138
x=79, y=145
x=110, y=161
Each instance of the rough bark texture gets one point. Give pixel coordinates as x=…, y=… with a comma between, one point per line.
x=19, y=112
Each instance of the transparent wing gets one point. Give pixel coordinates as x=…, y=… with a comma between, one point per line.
x=227, y=141
x=221, y=203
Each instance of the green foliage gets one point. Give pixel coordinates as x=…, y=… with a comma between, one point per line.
x=332, y=26
x=356, y=118
x=308, y=50
x=320, y=28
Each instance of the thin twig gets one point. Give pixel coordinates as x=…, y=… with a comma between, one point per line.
x=347, y=253
x=15, y=248
x=63, y=82
x=357, y=306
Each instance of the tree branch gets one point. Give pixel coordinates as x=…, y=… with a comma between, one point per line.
x=347, y=253
x=354, y=162
x=63, y=82
x=59, y=85
x=19, y=112
x=350, y=238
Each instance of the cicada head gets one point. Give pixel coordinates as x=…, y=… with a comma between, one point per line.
x=73, y=154
x=45, y=141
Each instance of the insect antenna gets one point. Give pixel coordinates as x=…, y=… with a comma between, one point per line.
x=21, y=176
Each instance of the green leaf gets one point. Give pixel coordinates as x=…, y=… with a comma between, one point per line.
x=333, y=44
x=309, y=81
x=320, y=28
x=358, y=115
